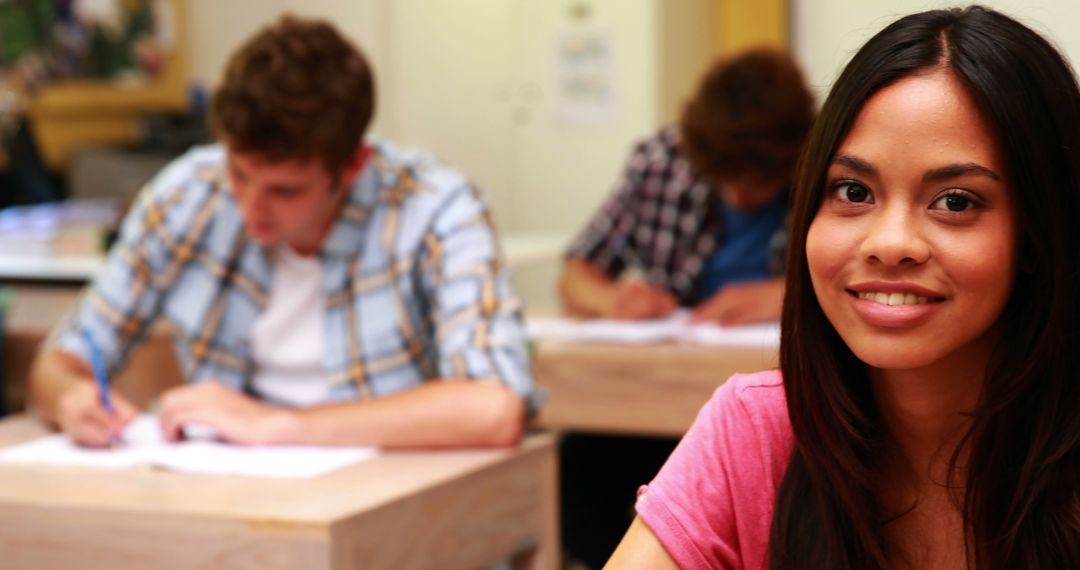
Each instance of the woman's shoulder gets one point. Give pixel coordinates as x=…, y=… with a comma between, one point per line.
x=759, y=397
x=744, y=431
x=770, y=381
x=748, y=418
x=711, y=504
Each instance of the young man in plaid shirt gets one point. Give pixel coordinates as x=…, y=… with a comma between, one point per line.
x=699, y=212
x=698, y=220
x=321, y=288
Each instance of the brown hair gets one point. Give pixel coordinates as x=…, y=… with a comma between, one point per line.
x=297, y=90
x=749, y=116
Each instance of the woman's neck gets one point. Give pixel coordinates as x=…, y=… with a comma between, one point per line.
x=927, y=412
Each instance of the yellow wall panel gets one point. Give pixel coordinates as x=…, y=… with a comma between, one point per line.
x=744, y=23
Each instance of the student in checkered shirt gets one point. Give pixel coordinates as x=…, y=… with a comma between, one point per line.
x=698, y=220
x=698, y=216
x=321, y=287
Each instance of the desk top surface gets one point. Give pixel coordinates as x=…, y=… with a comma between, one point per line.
x=320, y=502
x=71, y=256
x=653, y=390
x=75, y=269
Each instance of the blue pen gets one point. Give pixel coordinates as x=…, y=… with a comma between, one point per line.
x=99, y=372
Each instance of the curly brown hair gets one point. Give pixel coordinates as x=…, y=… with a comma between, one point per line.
x=297, y=90
x=749, y=117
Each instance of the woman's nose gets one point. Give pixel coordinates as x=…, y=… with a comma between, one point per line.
x=895, y=238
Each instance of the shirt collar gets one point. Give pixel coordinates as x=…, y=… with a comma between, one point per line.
x=346, y=236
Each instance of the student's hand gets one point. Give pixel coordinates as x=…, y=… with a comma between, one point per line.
x=743, y=303
x=81, y=416
x=232, y=415
x=636, y=299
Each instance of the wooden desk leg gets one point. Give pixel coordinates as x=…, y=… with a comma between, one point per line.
x=547, y=554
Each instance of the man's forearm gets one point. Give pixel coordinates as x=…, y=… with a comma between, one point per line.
x=585, y=291
x=436, y=414
x=53, y=373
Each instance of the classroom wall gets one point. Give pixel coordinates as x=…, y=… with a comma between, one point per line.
x=479, y=83
x=827, y=32
x=474, y=82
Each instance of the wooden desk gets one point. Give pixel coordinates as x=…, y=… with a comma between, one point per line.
x=653, y=390
x=55, y=243
x=74, y=270
x=456, y=509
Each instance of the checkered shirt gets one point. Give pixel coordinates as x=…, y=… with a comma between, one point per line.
x=662, y=220
x=414, y=284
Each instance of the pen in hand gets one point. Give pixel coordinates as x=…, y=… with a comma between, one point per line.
x=99, y=373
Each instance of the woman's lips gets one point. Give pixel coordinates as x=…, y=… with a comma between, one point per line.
x=908, y=309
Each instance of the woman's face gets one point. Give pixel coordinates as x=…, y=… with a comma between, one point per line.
x=912, y=252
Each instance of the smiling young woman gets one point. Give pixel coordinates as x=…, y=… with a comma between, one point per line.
x=926, y=411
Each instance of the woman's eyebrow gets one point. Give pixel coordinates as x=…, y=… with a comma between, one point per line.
x=854, y=163
x=956, y=170
x=935, y=175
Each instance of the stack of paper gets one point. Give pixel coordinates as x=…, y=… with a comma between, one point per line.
x=142, y=443
x=74, y=227
x=676, y=328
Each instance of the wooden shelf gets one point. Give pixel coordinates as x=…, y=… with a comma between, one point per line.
x=67, y=115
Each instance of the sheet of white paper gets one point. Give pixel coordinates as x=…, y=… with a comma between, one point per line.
x=142, y=443
x=58, y=450
x=765, y=335
x=604, y=330
x=285, y=462
x=675, y=328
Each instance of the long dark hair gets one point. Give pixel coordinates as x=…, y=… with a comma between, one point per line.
x=1021, y=501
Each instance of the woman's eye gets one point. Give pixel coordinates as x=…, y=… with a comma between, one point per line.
x=856, y=193
x=953, y=203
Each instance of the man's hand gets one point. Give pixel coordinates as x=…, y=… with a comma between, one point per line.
x=743, y=303
x=232, y=415
x=81, y=416
x=636, y=299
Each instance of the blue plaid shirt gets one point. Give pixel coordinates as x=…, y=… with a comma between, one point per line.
x=414, y=283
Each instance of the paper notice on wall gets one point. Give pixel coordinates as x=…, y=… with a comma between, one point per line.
x=584, y=64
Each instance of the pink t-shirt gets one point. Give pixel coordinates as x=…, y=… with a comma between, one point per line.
x=711, y=504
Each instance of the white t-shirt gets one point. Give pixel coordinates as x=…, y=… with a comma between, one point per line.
x=288, y=340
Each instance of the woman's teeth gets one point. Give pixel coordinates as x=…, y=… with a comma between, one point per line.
x=894, y=298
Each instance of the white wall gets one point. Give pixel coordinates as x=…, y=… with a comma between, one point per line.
x=827, y=32
x=472, y=81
